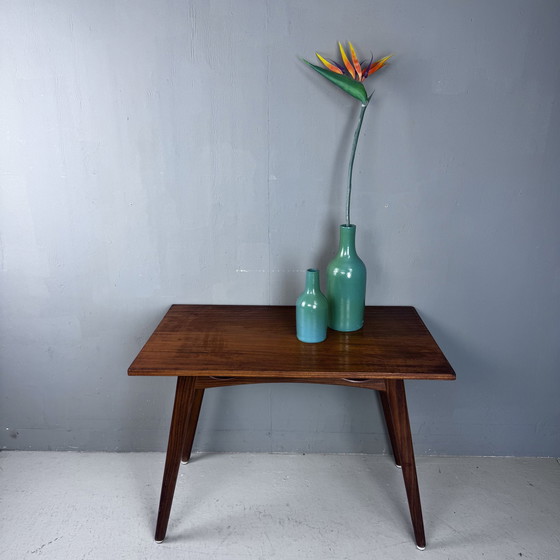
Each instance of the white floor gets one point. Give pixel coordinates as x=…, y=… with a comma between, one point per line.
x=77, y=506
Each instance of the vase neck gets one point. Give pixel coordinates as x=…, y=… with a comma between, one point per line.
x=347, y=243
x=312, y=285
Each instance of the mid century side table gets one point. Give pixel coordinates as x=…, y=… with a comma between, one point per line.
x=219, y=345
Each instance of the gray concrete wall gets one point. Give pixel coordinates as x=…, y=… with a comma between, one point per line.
x=178, y=152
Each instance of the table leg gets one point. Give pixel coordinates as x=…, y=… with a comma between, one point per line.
x=183, y=400
x=396, y=397
x=390, y=426
x=191, y=426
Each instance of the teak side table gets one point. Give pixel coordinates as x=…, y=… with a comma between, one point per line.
x=220, y=345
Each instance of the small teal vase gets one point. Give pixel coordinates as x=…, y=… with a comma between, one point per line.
x=312, y=310
x=346, y=284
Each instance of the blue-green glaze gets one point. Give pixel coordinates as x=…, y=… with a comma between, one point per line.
x=346, y=284
x=312, y=310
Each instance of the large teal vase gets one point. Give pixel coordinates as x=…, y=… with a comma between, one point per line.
x=346, y=284
x=311, y=310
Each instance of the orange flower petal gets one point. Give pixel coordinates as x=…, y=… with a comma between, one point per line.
x=355, y=61
x=330, y=66
x=349, y=67
x=375, y=66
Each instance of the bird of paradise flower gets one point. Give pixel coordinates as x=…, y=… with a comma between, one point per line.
x=349, y=77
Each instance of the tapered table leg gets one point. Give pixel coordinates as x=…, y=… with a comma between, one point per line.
x=396, y=397
x=191, y=426
x=183, y=400
x=390, y=426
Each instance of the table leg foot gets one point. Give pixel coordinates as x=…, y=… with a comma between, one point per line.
x=191, y=426
x=183, y=399
x=396, y=397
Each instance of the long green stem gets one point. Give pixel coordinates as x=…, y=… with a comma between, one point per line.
x=351, y=164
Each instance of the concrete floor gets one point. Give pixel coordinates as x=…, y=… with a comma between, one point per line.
x=77, y=506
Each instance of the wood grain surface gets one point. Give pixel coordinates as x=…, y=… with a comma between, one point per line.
x=253, y=341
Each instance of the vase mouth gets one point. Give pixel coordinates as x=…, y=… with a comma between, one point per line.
x=312, y=270
x=348, y=226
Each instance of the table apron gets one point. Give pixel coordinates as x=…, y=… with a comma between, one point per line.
x=206, y=382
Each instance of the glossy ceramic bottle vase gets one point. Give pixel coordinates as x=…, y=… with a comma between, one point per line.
x=311, y=310
x=346, y=284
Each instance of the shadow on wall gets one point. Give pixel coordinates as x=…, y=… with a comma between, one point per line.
x=149, y=400
x=285, y=417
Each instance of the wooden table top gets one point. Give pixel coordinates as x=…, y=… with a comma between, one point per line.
x=260, y=341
